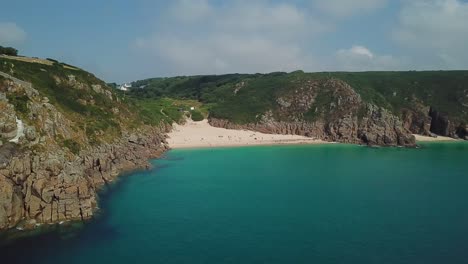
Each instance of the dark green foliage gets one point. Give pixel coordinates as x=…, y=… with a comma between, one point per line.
x=167, y=110
x=52, y=60
x=72, y=145
x=112, y=85
x=8, y=51
x=396, y=91
x=197, y=116
x=241, y=98
x=68, y=65
x=19, y=101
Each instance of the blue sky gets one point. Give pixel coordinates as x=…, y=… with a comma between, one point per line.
x=128, y=40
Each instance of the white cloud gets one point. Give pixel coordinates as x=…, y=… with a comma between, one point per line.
x=240, y=36
x=11, y=34
x=359, y=51
x=196, y=37
x=190, y=10
x=346, y=8
x=360, y=58
x=226, y=53
x=436, y=31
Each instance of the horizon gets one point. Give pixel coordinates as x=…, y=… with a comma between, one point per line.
x=124, y=42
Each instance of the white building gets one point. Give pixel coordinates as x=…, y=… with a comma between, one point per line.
x=125, y=87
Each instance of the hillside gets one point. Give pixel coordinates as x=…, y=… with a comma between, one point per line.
x=63, y=135
x=381, y=108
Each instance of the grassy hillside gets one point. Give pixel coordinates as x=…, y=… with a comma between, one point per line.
x=242, y=98
x=93, y=107
x=69, y=89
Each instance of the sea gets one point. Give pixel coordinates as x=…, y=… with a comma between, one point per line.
x=331, y=203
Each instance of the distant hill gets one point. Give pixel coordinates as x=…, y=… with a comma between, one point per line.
x=368, y=107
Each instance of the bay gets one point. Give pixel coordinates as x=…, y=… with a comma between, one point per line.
x=275, y=204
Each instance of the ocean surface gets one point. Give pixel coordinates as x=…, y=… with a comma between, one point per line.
x=275, y=204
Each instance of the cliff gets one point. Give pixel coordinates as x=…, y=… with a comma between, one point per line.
x=374, y=108
x=330, y=110
x=64, y=134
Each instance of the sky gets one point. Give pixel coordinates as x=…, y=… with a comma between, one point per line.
x=122, y=41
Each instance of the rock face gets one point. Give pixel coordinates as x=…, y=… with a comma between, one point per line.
x=52, y=186
x=41, y=179
x=331, y=111
x=440, y=123
x=430, y=122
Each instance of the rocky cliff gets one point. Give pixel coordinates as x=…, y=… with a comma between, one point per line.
x=329, y=110
x=56, y=152
x=378, y=108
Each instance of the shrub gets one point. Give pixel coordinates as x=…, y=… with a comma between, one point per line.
x=8, y=51
x=20, y=102
x=72, y=145
x=52, y=60
x=197, y=116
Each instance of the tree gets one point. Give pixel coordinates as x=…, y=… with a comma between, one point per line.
x=8, y=51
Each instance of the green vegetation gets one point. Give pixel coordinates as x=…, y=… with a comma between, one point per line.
x=102, y=112
x=52, y=60
x=242, y=98
x=19, y=101
x=72, y=145
x=8, y=51
x=69, y=89
x=442, y=90
x=167, y=110
x=197, y=116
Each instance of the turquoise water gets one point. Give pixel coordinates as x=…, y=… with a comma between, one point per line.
x=284, y=204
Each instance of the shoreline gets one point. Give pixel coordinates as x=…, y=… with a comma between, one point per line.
x=193, y=135
x=265, y=143
x=421, y=138
x=203, y=135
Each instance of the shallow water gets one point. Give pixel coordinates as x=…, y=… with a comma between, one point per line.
x=281, y=204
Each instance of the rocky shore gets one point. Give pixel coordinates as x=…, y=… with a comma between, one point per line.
x=38, y=188
x=50, y=166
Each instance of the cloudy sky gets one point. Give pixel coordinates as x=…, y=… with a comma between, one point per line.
x=128, y=40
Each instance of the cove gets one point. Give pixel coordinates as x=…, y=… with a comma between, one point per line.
x=276, y=204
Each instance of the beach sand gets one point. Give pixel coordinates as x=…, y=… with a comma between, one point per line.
x=433, y=139
x=201, y=134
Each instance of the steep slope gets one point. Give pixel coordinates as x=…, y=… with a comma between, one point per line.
x=376, y=108
x=73, y=133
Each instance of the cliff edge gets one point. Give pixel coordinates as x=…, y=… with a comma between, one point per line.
x=63, y=134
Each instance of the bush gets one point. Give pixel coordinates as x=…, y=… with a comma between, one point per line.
x=197, y=116
x=20, y=102
x=52, y=60
x=72, y=145
x=8, y=51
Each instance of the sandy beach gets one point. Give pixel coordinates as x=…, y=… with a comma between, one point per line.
x=421, y=138
x=201, y=134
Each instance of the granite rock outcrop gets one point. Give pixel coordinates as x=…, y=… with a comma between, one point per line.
x=329, y=110
x=54, y=171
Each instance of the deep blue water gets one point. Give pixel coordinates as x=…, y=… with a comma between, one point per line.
x=283, y=204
